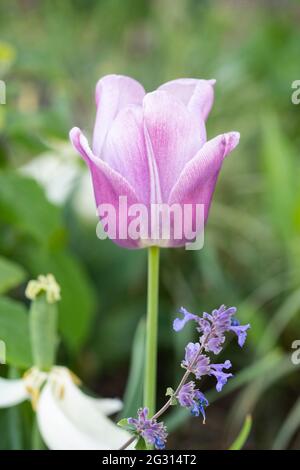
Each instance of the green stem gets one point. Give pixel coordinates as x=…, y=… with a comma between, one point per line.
x=43, y=327
x=151, y=330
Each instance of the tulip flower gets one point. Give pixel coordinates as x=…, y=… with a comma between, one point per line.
x=67, y=418
x=151, y=150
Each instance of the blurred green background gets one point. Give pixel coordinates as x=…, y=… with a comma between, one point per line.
x=51, y=55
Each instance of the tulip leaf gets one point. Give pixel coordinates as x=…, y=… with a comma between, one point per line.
x=11, y=274
x=242, y=437
x=14, y=332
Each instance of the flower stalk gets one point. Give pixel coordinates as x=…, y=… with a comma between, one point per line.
x=152, y=330
x=44, y=294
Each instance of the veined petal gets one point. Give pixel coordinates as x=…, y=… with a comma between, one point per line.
x=197, y=95
x=12, y=392
x=106, y=406
x=125, y=151
x=173, y=136
x=108, y=185
x=197, y=181
x=113, y=92
x=68, y=423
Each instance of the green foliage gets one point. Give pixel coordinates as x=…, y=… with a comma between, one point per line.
x=251, y=253
x=11, y=274
x=14, y=331
x=241, y=439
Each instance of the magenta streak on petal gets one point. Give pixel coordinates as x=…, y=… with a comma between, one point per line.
x=198, y=179
x=174, y=135
x=124, y=150
x=108, y=184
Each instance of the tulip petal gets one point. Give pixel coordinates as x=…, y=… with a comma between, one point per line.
x=125, y=151
x=108, y=184
x=197, y=95
x=113, y=92
x=173, y=137
x=68, y=423
x=198, y=179
x=108, y=406
x=12, y=392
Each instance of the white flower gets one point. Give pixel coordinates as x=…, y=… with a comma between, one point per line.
x=67, y=418
x=59, y=172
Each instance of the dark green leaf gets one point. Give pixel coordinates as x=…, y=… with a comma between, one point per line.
x=14, y=331
x=11, y=274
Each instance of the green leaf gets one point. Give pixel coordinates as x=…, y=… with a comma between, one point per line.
x=24, y=206
x=243, y=435
x=14, y=331
x=279, y=322
x=289, y=427
x=280, y=178
x=11, y=274
x=141, y=444
x=134, y=387
x=123, y=423
x=169, y=392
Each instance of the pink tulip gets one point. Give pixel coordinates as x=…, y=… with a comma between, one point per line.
x=152, y=148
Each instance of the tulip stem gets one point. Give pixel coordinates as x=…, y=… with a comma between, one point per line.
x=151, y=330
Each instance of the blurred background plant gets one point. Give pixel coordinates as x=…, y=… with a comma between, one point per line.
x=51, y=55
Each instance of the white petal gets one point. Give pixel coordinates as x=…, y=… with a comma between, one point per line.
x=74, y=422
x=12, y=392
x=108, y=406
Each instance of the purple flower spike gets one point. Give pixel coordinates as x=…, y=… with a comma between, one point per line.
x=153, y=432
x=179, y=323
x=195, y=362
x=222, y=377
x=191, y=398
x=214, y=326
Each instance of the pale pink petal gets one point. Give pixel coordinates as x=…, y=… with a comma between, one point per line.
x=197, y=181
x=108, y=185
x=172, y=137
x=113, y=92
x=124, y=150
x=197, y=95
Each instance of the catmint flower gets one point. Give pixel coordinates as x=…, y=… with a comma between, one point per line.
x=191, y=398
x=222, y=377
x=213, y=327
x=239, y=330
x=179, y=323
x=199, y=365
x=196, y=363
x=153, y=432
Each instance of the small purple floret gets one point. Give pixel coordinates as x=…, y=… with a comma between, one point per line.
x=191, y=398
x=153, y=432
